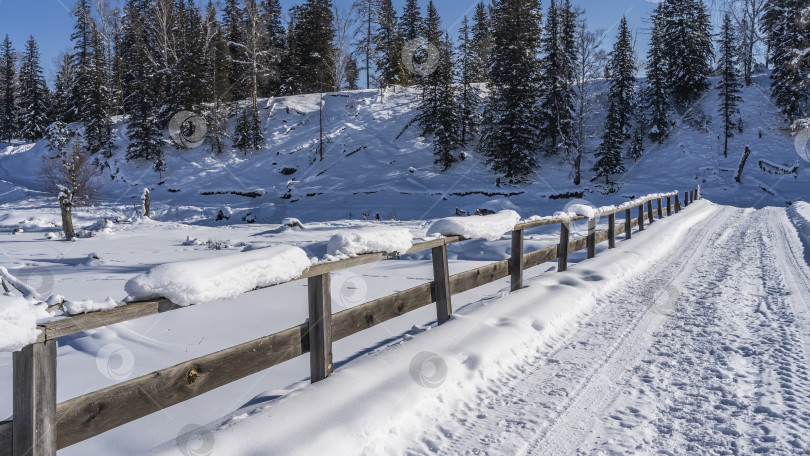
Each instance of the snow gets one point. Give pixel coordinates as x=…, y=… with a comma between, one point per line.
x=86, y=305
x=214, y=279
x=18, y=322
x=489, y=227
x=358, y=242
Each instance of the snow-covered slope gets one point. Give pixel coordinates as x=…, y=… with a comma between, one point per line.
x=375, y=162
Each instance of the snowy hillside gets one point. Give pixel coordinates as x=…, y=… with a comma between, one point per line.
x=375, y=162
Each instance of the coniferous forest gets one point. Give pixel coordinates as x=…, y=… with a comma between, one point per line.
x=512, y=83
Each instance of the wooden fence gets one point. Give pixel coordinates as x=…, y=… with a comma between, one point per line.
x=40, y=426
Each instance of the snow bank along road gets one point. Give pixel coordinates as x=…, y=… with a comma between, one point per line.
x=702, y=350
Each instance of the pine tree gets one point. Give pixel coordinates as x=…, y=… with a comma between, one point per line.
x=314, y=34
x=63, y=87
x=788, y=38
x=656, y=94
x=469, y=95
x=98, y=107
x=8, y=91
x=139, y=84
x=187, y=77
x=351, y=74
x=33, y=94
x=636, y=149
x=364, y=34
x=413, y=25
x=274, y=46
x=248, y=134
x=729, y=86
x=232, y=25
x=217, y=69
x=557, y=108
x=388, y=45
x=446, y=131
x=481, y=42
x=82, y=37
x=688, y=50
x=509, y=138
x=620, y=105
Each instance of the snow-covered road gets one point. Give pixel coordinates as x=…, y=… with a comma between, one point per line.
x=691, y=339
x=718, y=365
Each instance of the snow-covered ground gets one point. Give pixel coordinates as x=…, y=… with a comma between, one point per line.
x=521, y=368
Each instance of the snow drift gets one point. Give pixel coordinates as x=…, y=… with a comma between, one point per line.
x=398, y=240
x=489, y=227
x=213, y=279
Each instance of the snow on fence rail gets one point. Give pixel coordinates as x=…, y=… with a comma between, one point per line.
x=40, y=426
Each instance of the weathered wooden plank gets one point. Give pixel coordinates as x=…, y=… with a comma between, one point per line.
x=474, y=278
x=562, y=254
x=547, y=222
x=5, y=438
x=641, y=218
x=441, y=284
x=612, y=231
x=89, y=415
x=628, y=224
x=34, y=402
x=516, y=261
x=320, y=326
x=591, y=238
x=539, y=257
x=84, y=322
x=351, y=321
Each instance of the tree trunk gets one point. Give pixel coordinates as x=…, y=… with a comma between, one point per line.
x=67, y=219
x=742, y=164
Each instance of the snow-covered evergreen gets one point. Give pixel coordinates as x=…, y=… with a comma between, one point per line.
x=729, y=86
x=8, y=91
x=656, y=95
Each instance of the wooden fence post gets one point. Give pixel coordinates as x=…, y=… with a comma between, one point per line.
x=320, y=326
x=562, y=251
x=669, y=206
x=591, y=241
x=641, y=217
x=677, y=202
x=441, y=284
x=686, y=199
x=34, y=403
x=628, y=223
x=660, y=210
x=516, y=261
x=650, y=215
x=699, y=196
x=612, y=230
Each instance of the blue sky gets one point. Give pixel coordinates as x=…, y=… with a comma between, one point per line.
x=50, y=23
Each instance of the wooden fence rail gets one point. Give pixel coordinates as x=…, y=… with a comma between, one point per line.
x=40, y=426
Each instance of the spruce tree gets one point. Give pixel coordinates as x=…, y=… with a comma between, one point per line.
x=188, y=72
x=364, y=35
x=481, y=42
x=656, y=94
x=620, y=105
x=82, y=37
x=140, y=91
x=248, y=133
x=688, y=50
x=788, y=38
x=33, y=94
x=351, y=74
x=274, y=46
x=8, y=91
x=314, y=52
x=63, y=87
x=557, y=108
x=98, y=108
x=636, y=149
x=217, y=69
x=469, y=97
x=510, y=137
x=729, y=85
x=446, y=129
x=232, y=24
x=413, y=25
x=388, y=44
